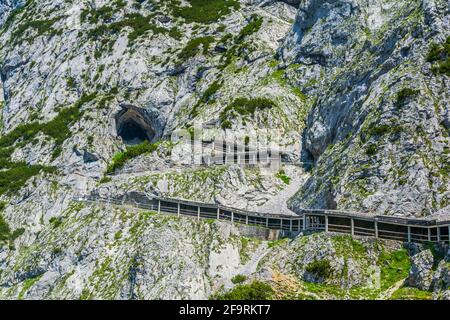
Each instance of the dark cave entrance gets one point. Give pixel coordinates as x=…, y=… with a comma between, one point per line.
x=134, y=127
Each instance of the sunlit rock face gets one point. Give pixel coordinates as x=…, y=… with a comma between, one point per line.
x=83, y=82
x=6, y=6
x=381, y=111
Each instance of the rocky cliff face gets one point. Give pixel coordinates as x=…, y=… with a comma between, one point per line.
x=379, y=127
x=358, y=87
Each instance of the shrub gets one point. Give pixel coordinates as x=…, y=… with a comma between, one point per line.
x=239, y=278
x=405, y=94
x=192, y=48
x=4, y=229
x=56, y=222
x=58, y=128
x=206, y=97
x=439, y=55
x=202, y=11
x=13, y=179
x=283, y=177
x=243, y=107
x=371, y=150
x=319, y=268
x=257, y=290
x=131, y=152
x=252, y=27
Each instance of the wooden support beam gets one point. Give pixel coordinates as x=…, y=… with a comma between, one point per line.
x=438, y=230
x=429, y=234
x=352, y=224
x=218, y=213
x=159, y=206
x=246, y=219
x=305, y=218
x=178, y=209
x=232, y=217
x=448, y=234
x=267, y=222
x=290, y=225
x=409, y=234
x=326, y=223
x=198, y=213
x=376, y=229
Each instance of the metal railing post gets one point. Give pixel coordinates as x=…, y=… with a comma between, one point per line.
x=429, y=234
x=352, y=224
x=246, y=219
x=178, y=209
x=290, y=225
x=159, y=206
x=218, y=213
x=267, y=222
x=232, y=217
x=409, y=234
x=198, y=213
x=438, y=232
x=326, y=223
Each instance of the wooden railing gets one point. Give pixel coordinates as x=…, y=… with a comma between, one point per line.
x=385, y=227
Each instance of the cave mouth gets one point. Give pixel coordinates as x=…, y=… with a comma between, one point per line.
x=133, y=127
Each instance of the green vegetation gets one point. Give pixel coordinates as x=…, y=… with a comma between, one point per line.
x=5, y=232
x=27, y=284
x=252, y=27
x=283, y=177
x=394, y=267
x=131, y=152
x=192, y=48
x=257, y=290
x=202, y=11
x=140, y=25
x=404, y=94
x=239, y=278
x=244, y=107
x=40, y=26
x=55, y=222
x=372, y=150
x=409, y=293
x=18, y=174
x=319, y=268
x=207, y=96
x=439, y=56
x=384, y=129
x=105, y=180
x=58, y=128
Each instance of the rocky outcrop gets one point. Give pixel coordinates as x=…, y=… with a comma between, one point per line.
x=421, y=273
x=7, y=6
x=380, y=111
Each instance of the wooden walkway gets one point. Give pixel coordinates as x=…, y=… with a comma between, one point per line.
x=311, y=220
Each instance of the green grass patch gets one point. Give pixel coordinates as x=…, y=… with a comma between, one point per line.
x=409, y=293
x=131, y=152
x=257, y=290
x=394, y=266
